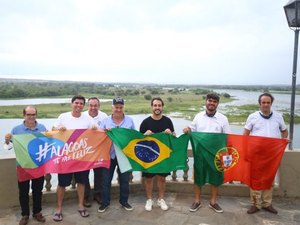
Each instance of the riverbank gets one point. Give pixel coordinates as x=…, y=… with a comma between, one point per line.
x=186, y=105
x=180, y=107
x=179, y=102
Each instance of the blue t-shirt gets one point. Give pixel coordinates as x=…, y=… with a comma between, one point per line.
x=22, y=129
x=108, y=123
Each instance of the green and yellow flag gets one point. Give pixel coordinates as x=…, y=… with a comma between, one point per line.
x=157, y=153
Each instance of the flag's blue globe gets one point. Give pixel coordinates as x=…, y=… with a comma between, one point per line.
x=147, y=151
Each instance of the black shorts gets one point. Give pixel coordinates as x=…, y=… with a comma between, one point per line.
x=150, y=175
x=65, y=179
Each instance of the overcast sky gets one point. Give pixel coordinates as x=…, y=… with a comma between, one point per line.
x=157, y=41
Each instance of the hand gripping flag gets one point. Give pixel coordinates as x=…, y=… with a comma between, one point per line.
x=157, y=153
x=60, y=152
x=220, y=158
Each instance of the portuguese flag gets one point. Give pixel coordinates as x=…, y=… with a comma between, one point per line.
x=220, y=158
x=156, y=153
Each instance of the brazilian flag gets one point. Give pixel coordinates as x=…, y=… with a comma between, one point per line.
x=156, y=153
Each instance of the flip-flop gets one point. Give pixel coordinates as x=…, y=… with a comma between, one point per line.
x=83, y=213
x=57, y=217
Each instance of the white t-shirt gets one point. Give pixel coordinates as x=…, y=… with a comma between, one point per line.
x=97, y=119
x=260, y=126
x=71, y=122
x=215, y=124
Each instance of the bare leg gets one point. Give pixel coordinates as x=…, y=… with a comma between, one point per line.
x=80, y=193
x=214, y=193
x=149, y=187
x=60, y=193
x=161, y=185
x=197, y=193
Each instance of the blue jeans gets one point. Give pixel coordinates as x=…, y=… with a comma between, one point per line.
x=107, y=175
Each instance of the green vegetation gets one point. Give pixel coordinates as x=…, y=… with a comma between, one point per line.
x=186, y=102
x=14, y=88
x=239, y=114
x=183, y=100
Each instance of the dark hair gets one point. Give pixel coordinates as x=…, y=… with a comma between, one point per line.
x=265, y=94
x=94, y=98
x=29, y=106
x=159, y=99
x=213, y=96
x=78, y=97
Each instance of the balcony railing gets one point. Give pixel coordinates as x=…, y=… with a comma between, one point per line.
x=179, y=181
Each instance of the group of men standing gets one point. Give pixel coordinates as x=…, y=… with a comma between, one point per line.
x=264, y=122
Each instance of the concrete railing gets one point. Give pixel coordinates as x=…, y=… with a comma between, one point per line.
x=289, y=182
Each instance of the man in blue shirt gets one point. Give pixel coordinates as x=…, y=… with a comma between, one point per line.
x=116, y=120
x=29, y=125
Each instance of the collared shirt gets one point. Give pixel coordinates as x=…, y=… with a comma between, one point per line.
x=70, y=122
x=108, y=123
x=260, y=126
x=22, y=129
x=215, y=124
x=97, y=119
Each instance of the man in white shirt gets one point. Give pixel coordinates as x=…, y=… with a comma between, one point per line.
x=94, y=112
x=267, y=123
x=208, y=121
x=72, y=120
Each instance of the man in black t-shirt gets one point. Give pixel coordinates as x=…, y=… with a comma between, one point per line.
x=156, y=123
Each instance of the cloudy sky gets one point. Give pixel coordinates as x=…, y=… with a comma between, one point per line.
x=157, y=41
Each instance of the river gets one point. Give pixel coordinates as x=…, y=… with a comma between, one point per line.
x=282, y=102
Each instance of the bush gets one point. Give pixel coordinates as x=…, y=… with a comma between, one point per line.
x=170, y=99
x=148, y=97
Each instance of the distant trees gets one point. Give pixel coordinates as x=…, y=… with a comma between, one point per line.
x=10, y=88
x=31, y=89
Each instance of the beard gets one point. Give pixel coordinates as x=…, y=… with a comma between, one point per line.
x=157, y=112
x=211, y=108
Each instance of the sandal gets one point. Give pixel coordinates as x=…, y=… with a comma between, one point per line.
x=57, y=217
x=83, y=213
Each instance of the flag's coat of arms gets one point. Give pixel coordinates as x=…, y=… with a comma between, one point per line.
x=226, y=158
x=147, y=151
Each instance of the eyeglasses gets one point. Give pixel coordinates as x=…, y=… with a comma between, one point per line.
x=28, y=114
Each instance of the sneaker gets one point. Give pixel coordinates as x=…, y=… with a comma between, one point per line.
x=162, y=204
x=39, y=217
x=126, y=206
x=216, y=207
x=102, y=208
x=24, y=220
x=148, y=206
x=195, y=206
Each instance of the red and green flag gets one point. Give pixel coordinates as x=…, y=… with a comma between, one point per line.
x=60, y=152
x=220, y=158
x=156, y=153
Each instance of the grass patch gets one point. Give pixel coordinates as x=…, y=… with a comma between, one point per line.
x=186, y=104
